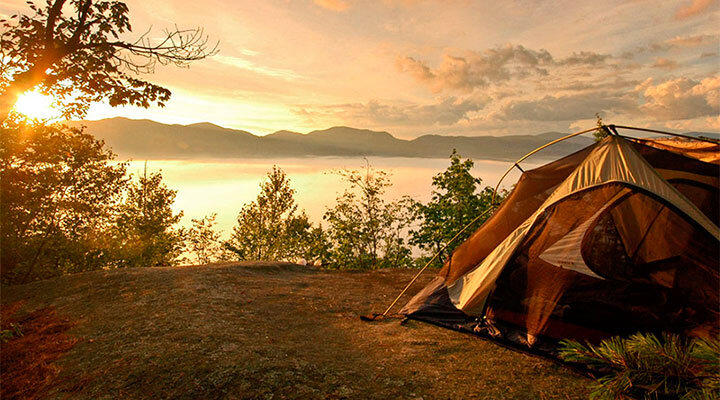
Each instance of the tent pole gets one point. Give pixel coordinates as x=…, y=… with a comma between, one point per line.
x=457, y=235
x=521, y=159
x=708, y=140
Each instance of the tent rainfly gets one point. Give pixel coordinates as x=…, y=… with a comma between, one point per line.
x=616, y=238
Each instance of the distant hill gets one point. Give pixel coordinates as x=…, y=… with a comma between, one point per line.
x=149, y=139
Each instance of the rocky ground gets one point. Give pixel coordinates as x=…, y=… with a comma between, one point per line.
x=258, y=330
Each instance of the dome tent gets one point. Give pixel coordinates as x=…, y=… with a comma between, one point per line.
x=616, y=238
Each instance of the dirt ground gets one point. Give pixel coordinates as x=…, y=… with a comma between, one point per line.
x=269, y=331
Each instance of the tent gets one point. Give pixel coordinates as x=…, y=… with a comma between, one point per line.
x=616, y=238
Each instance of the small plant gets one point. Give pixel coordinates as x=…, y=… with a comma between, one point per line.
x=7, y=334
x=650, y=367
x=600, y=133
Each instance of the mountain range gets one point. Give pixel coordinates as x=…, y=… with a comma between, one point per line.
x=145, y=139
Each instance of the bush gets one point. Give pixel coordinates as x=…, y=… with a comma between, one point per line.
x=203, y=241
x=457, y=199
x=271, y=228
x=58, y=191
x=650, y=367
x=364, y=230
x=67, y=207
x=144, y=233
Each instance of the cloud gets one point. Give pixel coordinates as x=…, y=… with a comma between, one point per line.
x=665, y=63
x=680, y=98
x=333, y=5
x=374, y=113
x=238, y=62
x=691, y=41
x=474, y=69
x=585, y=58
x=564, y=108
x=577, y=85
x=692, y=8
x=713, y=122
x=676, y=43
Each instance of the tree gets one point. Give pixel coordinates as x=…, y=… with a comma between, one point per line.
x=364, y=230
x=270, y=228
x=204, y=241
x=58, y=193
x=145, y=233
x=455, y=202
x=82, y=57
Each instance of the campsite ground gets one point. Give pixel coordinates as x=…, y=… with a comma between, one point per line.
x=260, y=331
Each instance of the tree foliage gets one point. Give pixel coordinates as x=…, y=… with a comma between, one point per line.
x=58, y=191
x=364, y=230
x=647, y=366
x=82, y=56
x=66, y=206
x=144, y=232
x=203, y=241
x=271, y=228
x=456, y=201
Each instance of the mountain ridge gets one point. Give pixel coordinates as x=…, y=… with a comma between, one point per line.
x=131, y=138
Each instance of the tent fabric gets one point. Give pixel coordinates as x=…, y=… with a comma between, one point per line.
x=703, y=151
x=531, y=190
x=610, y=240
x=612, y=161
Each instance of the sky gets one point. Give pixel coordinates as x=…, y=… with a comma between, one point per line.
x=452, y=67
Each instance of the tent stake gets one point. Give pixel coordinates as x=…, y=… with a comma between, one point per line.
x=435, y=256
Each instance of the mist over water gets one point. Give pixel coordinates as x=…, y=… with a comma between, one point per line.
x=223, y=186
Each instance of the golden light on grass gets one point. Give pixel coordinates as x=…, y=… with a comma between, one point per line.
x=36, y=106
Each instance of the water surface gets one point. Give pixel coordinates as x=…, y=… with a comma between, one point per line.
x=223, y=186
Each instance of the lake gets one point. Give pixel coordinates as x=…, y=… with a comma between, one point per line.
x=223, y=186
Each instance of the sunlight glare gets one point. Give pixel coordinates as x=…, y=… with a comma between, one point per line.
x=36, y=105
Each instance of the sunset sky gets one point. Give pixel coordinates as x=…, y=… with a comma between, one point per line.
x=414, y=67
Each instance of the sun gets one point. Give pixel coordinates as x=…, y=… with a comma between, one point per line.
x=36, y=106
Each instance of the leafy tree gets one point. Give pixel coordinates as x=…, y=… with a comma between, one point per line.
x=364, y=230
x=58, y=191
x=650, y=367
x=455, y=202
x=145, y=233
x=204, y=241
x=75, y=51
x=270, y=228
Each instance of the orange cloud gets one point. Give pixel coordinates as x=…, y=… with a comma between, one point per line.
x=695, y=7
x=333, y=5
x=681, y=98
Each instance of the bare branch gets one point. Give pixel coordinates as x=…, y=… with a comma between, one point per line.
x=178, y=47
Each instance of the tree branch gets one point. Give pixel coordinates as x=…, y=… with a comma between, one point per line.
x=75, y=39
x=54, y=12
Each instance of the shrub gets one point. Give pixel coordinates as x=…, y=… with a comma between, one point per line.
x=650, y=367
x=271, y=228
x=365, y=230
x=58, y=191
